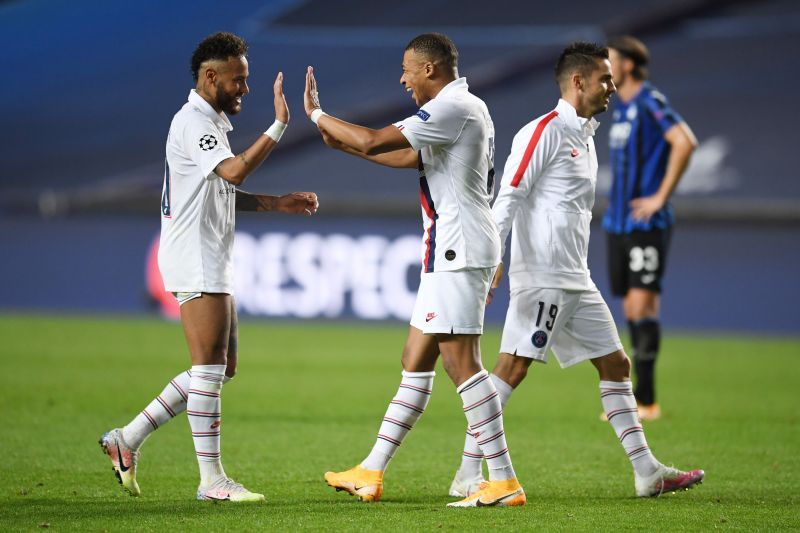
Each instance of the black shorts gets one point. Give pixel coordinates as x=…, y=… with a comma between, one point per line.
x=637, y=260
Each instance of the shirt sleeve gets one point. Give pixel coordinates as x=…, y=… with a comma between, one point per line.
x=531, y=154
x=437, y=123
x=658, y=106
x=201, y=140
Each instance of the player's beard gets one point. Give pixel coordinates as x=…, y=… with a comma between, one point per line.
x=602, y=105
x=227, y=102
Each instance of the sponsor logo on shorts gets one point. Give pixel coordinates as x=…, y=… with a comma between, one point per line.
x=430, y=317
x=539, y=339
x=574, y=152
x=450, y=255
x=423, y=115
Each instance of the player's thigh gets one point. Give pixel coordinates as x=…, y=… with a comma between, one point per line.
x=420, y=351
x=534, y=320
x=207, y=324
x=589, y=333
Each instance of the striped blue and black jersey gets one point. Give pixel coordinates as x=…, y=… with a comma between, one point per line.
x=639, y=156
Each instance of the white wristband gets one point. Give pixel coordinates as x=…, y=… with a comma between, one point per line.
x=276, y=130
x=316, y=114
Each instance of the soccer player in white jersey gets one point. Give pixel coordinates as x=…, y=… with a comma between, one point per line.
x=546, y=194
x=198, y=204
x=450, y=140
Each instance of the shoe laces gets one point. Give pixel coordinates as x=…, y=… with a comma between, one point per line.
x=669, y=472
x=230, y=485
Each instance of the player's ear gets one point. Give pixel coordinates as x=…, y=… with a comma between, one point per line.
x=577, y=81
x=628, y=65
x=429, y=69
x=209, y=74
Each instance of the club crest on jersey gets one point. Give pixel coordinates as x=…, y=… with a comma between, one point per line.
x=423, y=115
x=539, y=339
x=208, y=142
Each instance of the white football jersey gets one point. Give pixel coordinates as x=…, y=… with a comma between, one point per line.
x=197, y=206
x=547, y=193
x=454, y=137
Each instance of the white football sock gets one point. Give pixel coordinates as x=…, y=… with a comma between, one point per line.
x=619, y=405
x=473, y=457
x=404, y=410
x=168, y=404
x=485, y=419
x=204, y=408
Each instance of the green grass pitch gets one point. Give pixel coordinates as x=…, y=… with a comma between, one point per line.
x=309, y=398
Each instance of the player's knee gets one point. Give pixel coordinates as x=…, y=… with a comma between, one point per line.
x=406, y=358
x=640, y=304
x=619, y=366
x=512, y=369
x=613, y=367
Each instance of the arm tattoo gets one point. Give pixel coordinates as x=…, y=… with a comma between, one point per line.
x=244, y=159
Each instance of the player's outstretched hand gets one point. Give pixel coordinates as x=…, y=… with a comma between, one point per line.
x=498, y=276
x=281, y=108
x=311, y=95
x=298, y=203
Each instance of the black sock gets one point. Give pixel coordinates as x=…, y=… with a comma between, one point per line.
x=646, y=340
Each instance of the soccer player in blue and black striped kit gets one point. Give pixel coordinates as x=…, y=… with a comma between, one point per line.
x=650, y=149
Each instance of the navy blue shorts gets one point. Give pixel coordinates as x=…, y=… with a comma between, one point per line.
x=637, y=260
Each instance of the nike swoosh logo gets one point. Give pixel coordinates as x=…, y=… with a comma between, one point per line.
x=122, y=466
x=480, y=503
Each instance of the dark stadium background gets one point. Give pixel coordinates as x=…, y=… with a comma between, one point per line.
x=91, y=86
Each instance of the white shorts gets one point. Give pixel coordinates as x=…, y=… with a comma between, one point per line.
x=576, y=325
x=452, y=302
x=184, y=297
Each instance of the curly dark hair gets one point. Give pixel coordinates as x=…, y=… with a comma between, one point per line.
x=221, y=45
x=635, y=50
x=579, y=57
x=437, y=47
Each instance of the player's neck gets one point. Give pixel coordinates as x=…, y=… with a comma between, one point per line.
x=628, y=90
x=201, y=90
x=440, y=84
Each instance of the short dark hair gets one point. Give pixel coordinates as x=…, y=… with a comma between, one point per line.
x=635, y=50
x=221, y=45
x=437, y=47
x=579, y=57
